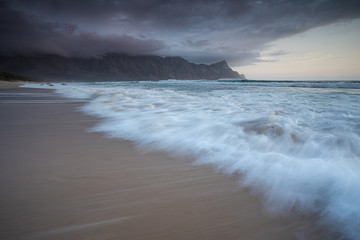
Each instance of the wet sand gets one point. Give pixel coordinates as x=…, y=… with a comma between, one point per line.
x=59, y=181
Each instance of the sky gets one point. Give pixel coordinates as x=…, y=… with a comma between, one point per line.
x=274, y=39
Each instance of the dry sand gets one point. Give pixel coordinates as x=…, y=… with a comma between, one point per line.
x=59, y=181
x=11, y=84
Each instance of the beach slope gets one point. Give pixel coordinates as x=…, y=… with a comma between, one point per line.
x=59, y=181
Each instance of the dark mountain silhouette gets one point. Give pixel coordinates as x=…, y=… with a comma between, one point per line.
x=113, y=67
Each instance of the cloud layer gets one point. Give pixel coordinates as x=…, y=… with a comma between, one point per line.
x=199, y=30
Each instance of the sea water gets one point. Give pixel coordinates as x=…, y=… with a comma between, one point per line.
x=294, y=144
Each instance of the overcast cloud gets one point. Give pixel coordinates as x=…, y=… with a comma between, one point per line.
x=198, y=30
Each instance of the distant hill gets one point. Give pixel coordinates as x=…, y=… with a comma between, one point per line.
x=113, y=67
x=5, y=76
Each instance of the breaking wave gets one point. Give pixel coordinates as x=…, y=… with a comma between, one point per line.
x=297, y=146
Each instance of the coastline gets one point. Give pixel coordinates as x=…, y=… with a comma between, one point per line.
x=11, y=84
x=62, y=182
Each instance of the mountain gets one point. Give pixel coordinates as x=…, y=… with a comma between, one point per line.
x=5, y=76
x=113, y=67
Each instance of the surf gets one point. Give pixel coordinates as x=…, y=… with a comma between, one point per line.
x=296, y=145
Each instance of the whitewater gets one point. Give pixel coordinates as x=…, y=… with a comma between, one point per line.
x=296, y=145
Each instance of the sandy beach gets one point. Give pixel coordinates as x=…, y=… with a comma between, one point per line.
x=11, y=84
x=60, y=181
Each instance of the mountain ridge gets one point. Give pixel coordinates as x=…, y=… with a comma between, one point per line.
x=114, y=67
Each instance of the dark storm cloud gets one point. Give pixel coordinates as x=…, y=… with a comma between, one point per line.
x=200, y=30
x=28, y=35
x=198, y=44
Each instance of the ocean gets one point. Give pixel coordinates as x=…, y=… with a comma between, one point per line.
x=295, y=145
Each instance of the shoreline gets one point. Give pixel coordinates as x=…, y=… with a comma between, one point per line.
x=10, y=84
x=4, y=84
x=62, y=182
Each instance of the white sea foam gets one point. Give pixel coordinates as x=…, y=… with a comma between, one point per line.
x=295, y=144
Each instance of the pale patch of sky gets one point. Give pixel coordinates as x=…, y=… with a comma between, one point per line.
x=325, y=53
